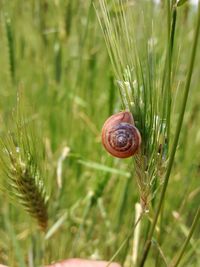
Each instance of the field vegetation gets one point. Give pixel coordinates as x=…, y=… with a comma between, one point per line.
x=66, y=66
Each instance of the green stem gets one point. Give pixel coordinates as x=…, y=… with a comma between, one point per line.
x=14, y=241
x=126, y=240
x=166, y=80
x=175, y=143
x=175, y=262
x=170, y=58
x=81, y=227
x=160, y=236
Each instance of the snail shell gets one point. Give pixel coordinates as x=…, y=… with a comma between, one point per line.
x=119, y=135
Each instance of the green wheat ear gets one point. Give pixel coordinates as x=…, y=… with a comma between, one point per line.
x=144, y=90
x=20, y=158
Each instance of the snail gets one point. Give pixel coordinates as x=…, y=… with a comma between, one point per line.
x=120, y=137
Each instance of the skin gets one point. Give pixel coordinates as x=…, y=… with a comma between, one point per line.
x=80, y=263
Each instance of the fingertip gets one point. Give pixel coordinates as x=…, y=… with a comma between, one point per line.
x=83, y=263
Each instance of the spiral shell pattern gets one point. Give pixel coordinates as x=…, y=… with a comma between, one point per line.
x=119, y=135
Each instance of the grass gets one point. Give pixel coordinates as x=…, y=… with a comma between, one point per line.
x=74, y=73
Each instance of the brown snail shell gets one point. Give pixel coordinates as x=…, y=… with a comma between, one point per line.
x=119, y=135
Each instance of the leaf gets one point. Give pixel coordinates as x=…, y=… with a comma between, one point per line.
x=101, y=167
x=56, y=226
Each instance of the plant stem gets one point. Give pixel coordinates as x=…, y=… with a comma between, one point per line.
x=126, y=239
x=136, y=234
x=11, y=48
x=160, y=236
x=175, y=262
x=172, y=28
x=81, y=227
x=170, y=59
x=175, y=143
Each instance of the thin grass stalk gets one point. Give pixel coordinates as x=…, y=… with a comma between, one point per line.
x=160, y=235
x=11, y=50
x=122, y=203
x=92, y=201
x=136, y=235
x=175, y=142
x=126, y=240
x=86, y=212
x=68, y=18
x=170, y=56
x=120, y=216
x=175, y=262
x=111, y=95
x=15, y=242
x=82, y=41
x=166, y=86
x=190, y=253
x=58, y=61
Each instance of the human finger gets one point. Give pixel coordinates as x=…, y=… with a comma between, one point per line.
x=83, y=263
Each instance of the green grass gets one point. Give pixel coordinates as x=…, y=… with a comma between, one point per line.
x=54, y=53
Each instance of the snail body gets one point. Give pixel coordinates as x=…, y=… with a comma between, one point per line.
x=120, y=137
